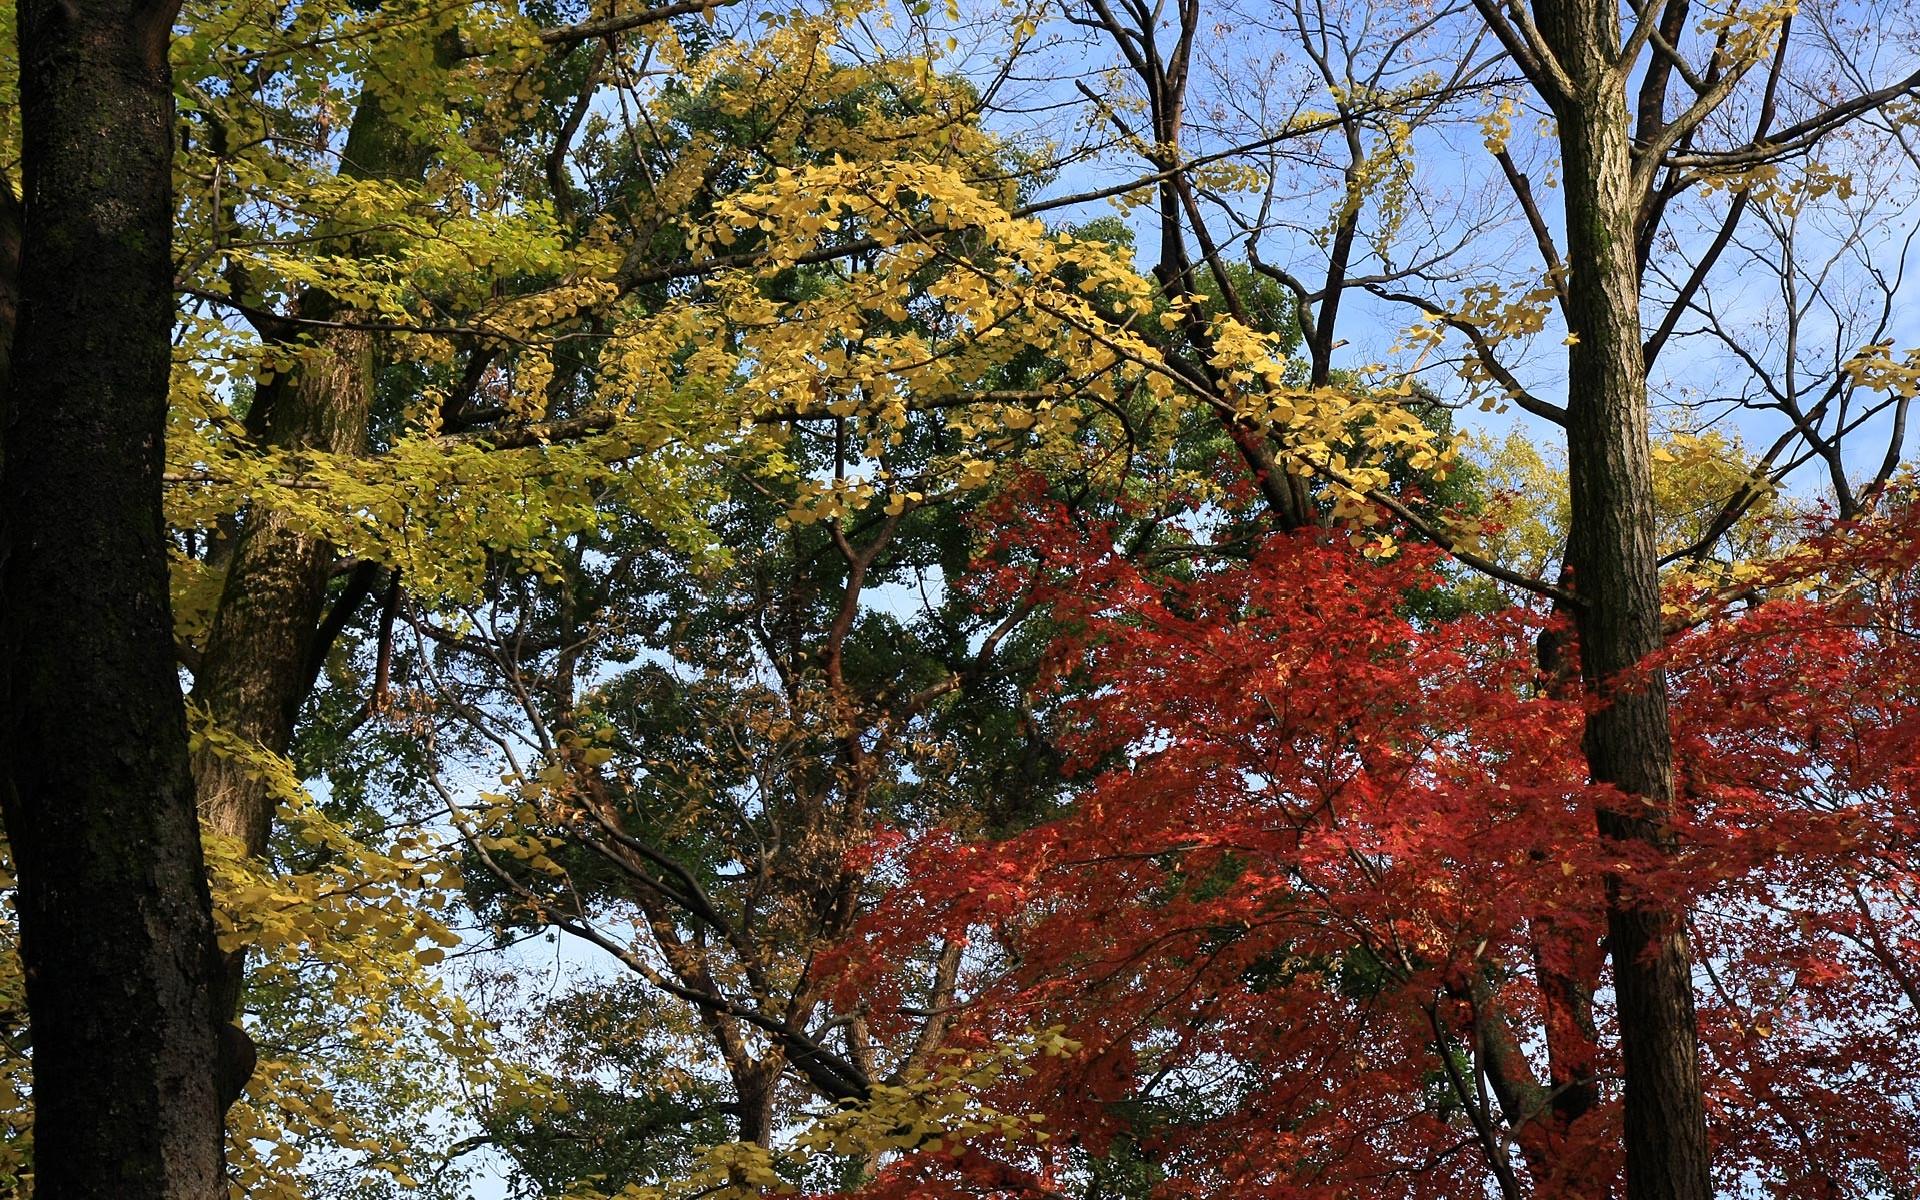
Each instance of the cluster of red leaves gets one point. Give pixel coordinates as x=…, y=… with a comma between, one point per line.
x=1326, y=910
x=1797, y=728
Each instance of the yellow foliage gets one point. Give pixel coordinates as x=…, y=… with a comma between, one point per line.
x=350, y=948
x=932, y=1109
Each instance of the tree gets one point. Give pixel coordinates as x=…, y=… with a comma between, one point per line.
x=700, y=741
x=1296, y=918
x=613, y=402
x=1582, y=62
x=1645, y=113
x=452, y=392
x=116, y=933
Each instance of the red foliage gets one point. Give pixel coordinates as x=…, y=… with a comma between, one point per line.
x=1326, y=910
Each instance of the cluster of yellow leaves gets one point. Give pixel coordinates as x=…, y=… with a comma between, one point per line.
x=1499, y=315
x=1496, y=125
x=934, y=1109
x=682, y=385
x=1880, y=368
x=413, y=260
x=1785, y=190
x=1340, y=434
x=848, y=352
x=1695, y=476
x=1745, y=35
x=851, y=351
x=1385, y=173
x=709, y=378
x=1229, y=176
x=1527, y=512
x=441, y=509
x=350, y=947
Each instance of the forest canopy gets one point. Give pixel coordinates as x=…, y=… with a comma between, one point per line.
x=1019, y=599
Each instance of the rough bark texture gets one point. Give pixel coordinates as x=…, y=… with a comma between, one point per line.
x=117, y=937
x=1612, y=552
x=253, y=674
x=756, y=1086
x=255, y=667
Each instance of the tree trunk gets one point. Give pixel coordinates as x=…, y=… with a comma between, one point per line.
x=754, y=1090
x=117, y=936
x=1612, y=552
x=253, y=674
x=12, y=228
x=255, y=667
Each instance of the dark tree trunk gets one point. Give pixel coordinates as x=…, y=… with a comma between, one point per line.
x=1612, y=552
x=117, y=937
x=12, y=228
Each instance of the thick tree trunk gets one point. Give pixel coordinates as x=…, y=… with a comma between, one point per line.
x=754, y=1091
x=255, y=667
x=117, y=937
x=1611, y=550
x=253, y=674
x=12, y=229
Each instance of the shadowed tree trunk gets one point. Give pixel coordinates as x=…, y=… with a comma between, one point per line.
x=117, y=937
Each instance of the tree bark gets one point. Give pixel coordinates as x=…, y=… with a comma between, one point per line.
x=253, y=675
x=255, y=666
x=116, y=929
x=1612, y=552
x=12, y=229
x=754, y=1088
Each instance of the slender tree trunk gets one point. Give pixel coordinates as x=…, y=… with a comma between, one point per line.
x=117, y=936
x=1612, y=551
